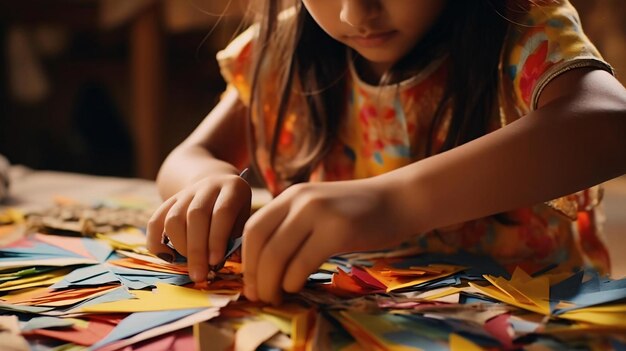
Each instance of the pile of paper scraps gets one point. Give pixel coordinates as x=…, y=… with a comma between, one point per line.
x=106, y=292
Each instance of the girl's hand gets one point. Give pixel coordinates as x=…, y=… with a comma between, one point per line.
x=199, y=220
x=293, y=235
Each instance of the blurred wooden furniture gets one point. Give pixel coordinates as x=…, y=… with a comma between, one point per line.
x=148, y=20
x=146, y=24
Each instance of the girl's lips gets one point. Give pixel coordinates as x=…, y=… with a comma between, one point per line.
x=372, y=40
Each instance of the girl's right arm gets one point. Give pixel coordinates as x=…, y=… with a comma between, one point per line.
x=205, y=200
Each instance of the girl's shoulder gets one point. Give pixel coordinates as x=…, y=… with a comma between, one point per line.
x=235, y=62
x=547, y=39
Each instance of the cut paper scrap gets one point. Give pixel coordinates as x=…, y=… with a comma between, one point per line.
x=116, y=294
x=84, y=247
x=147, y=262
x=140, y=279
x=48, y=322
x=606, y=315
x=477, y=265
x=140, y=322
x=165, y=297
x=5, y=277
x=23, y=309
x=301, y=319
x=44, y=279
x=87, y=276
x=595, y=292
x=522, y=291
x=48, y=262
x=181, y=340
x=203, y=315
x=129, y=239
x=459, y=343
x=85, y=333
x=30, y=252
x=57, y=298
x=368, y=329
x=136, y=264
x=253, y=334
x=396, y=282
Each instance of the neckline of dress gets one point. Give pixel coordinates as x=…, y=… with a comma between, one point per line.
x=406, y=83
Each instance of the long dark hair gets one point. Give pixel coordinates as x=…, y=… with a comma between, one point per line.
x=471, y=32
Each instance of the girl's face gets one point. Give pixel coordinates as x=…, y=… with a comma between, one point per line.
x=382, y=31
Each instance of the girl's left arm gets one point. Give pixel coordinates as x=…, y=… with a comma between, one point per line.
x=575, y=139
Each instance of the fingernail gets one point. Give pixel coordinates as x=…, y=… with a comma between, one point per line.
x=165, y=256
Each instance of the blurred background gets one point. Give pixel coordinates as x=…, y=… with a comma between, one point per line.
x=109, y=87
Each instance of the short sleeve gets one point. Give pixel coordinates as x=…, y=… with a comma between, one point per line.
x=235, y=63
x=543, y=44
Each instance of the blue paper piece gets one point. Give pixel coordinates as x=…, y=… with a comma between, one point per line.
x=46, y=322
x=98, y=249
x=38, y=251
x=596, y=292
x=140, y=272
x=566, y=289
x=138, y=279
x=140, y=322
x=87, y=276
x=522, y=326
x=138, y=282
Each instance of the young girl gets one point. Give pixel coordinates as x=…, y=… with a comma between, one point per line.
x=381, y=122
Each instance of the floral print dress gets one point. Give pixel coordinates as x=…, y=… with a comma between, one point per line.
x=387, y=127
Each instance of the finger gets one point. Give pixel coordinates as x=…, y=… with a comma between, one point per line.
x=198, y=222
x=176, y=223
x=306, y=261
x=256, y=232
x=155, y=229
x=278, y=251
x=232, y=199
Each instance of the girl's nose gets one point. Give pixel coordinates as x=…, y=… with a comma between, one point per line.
x=358, y=13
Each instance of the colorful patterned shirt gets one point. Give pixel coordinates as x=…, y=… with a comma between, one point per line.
x=387, y=127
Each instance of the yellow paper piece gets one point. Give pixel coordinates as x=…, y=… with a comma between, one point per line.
x=164, y=297
x=442, y=293
x=522, y=291
x=45, y=279
x=459, y=343
x=252, y=334
x=611, y=319
x=129, y=239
